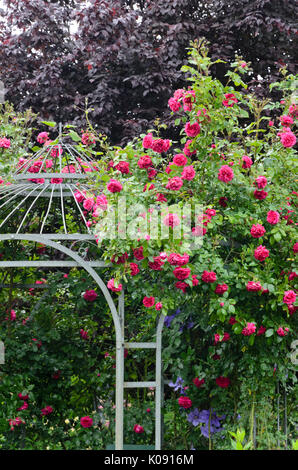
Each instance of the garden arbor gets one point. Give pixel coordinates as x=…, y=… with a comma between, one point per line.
x=35, y=207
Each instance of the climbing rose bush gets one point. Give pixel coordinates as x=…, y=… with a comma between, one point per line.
x=227, y=286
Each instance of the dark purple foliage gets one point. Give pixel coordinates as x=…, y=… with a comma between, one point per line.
x=126, y=61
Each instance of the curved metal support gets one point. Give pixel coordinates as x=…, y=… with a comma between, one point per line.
x=118, y=327
x=159, y=385
x=118, y=319
x=59, y=247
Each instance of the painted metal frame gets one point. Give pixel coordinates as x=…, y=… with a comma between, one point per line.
x=118, y=319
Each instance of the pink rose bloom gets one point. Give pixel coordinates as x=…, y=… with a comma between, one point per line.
x=84, y=334
x=123, y=167
x=261, y=253
x=88, y=203
x=249, y=329
x=121, y=259
x=148, y=187
x=288, y=139
x=292, y=275
x=23, y=407
x=181, y=273
x=86, y=422
x=80, y=196
x=114, y=186
x=145, y=162
x=147, y=141
x=225, y=174
x=23, y=397
x=42, y=137
x=138, y=253
x=157, y=264
x=151, y=172
x=197, y=382
x=186, y=150
x=134, y=269
x=260, y=194
x=56, y=151
x=270, y=123
x=88, y=139
x=101, y=201
x=148, y=301
x=210, y=212
x=90, y=295
x=257, y=231
x=174, y=184
x=221, y=288
x=261, y=330
x=188, y=173
x=161, y=198
x=182, y=286
x=46, y=411
x=166, y=145
x=282, y=331
x=253, y=286
x=222, y=382
x=272, y=217
x=158, y=306
x=289, y=297
x=192, y=130
x=195, y=280
x=13, y=315
x=111, y=286
x=230, y=100
x=138, y=429
x=185, y=402
x=261, y=182
x=295, y=247
x=174, y=105
x=158, y=146
x=4, y=143
x=171, y=220
x=56, y=180
x=66, y=169
x=209, y=276
x=189, y=97
x=180, y=159
x=179, y=93
x=286, y=120
x=175, y=259
x=247, y=162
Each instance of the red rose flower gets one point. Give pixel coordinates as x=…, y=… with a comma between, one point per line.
x=181, y=273
x=257, y=231
x=90, y=295
x=138, y=429
x=148, y=301
x=209, y=276
x=222, y=382
x=185, y=402
x=86, y=422
x=197, y=382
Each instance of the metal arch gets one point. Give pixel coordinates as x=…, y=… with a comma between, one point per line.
x=117, y=323
x=118, y=319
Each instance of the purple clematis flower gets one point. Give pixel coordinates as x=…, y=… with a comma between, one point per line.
x=178, y=385
x=212, y=422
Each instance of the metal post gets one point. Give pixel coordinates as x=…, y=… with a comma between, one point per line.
x=119, y=375
x=159, y=385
